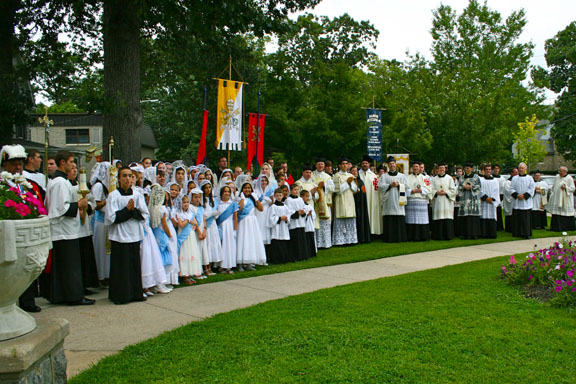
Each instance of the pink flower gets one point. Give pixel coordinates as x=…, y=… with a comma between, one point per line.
x=547, y=256
x=569, y=283
x=512, y=260
x=530, y=277
x=558, y=288
x=570, y=273
x=22, y=209
x=574, y=289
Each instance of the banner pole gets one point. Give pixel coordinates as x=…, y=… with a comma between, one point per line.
x=229, y=78
x=258, y=129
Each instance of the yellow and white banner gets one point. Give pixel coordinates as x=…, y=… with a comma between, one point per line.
x=229, y=116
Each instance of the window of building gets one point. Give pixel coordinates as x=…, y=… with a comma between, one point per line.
x=77, y=136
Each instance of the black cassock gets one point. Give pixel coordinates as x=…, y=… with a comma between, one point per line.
x=362, y=220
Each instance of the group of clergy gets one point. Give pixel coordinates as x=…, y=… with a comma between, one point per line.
x=357, y=204
x=353, y=204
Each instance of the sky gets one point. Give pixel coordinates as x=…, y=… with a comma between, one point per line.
x=405, y=25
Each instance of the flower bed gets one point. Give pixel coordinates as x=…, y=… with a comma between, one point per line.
x=553, y=268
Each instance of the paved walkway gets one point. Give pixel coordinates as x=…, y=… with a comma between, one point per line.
x=104, y=329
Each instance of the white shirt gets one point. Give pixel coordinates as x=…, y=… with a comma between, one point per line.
x=131, y=230
x=59, y=196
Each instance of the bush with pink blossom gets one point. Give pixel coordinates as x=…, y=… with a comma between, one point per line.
x=553, y=267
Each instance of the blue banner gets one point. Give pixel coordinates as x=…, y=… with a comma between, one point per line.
x=374, y=140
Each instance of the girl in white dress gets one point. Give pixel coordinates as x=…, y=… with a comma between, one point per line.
x=264, y=192
x=153, y=274
x=198, y=209
x=213, y=243
x=164, y=233
x=189, y=255
x=250, y=245
x=268, y=172
x=99, y=182
x=227, y=222
x=172, y=270
x=225, y=177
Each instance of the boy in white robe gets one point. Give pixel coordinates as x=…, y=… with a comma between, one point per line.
x=278, y=221
x=126, y=211
x=489, y=201
x=297, y=244
x=309, y=227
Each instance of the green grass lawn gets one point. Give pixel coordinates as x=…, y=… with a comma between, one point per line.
x=457, y=324
x=371, y=251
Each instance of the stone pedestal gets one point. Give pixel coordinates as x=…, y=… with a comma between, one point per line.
x=37, y=357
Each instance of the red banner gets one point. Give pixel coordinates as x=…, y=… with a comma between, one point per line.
x=252, y=133
x=202, y=147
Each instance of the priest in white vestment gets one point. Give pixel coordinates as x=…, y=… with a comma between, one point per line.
x=443, y=197
x=417, y=220
x=561, y=202
x=322, y=204
x=370, y=180
x=344, y=208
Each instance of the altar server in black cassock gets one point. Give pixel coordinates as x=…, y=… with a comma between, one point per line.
x=539, y=201
x=125, y=212
x=65, y=281
x=501, y=187
x=522, y=188
x=490, y=200
x=87, y=258
x=277, y=220
x=393, y=188
x=297, y=246
x=361, y=204
x=469, y=198
x=309, y=229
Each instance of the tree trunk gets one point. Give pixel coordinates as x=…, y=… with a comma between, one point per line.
x=123, y=114
x=7, y=77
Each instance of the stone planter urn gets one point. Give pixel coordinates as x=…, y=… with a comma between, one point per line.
x=24, y=248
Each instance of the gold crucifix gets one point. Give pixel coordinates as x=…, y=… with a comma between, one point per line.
x=47, y=123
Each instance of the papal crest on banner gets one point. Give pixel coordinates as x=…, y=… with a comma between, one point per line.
x=229, y=115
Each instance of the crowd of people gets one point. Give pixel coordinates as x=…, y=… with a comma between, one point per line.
x=148, y=226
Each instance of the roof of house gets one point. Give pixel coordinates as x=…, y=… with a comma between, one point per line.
x=147, y=136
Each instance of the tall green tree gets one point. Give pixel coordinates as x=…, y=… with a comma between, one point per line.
x=561, y=78
x=36, y=59
x=403, y=90
x=186, y=19
x=315, y=88
x=478, y=96
x=528, y=148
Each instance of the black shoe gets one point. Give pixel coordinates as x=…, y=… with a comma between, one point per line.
x=32, y=308
x=89, y=292
x=84, y=301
